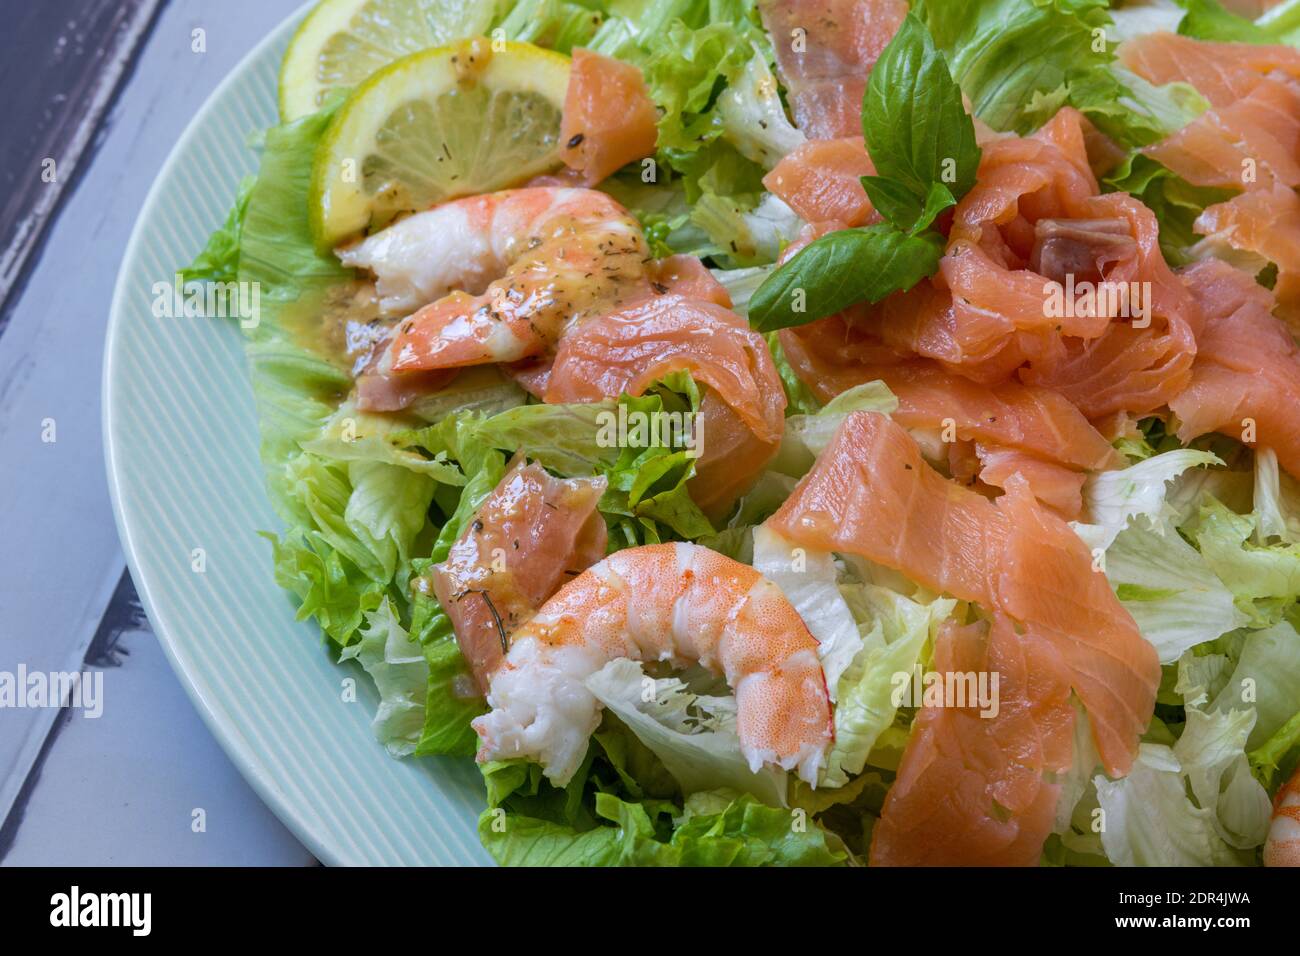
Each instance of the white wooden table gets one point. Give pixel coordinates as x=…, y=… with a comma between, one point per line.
x=104, y=88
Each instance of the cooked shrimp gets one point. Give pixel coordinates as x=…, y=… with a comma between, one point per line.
x=498, y=277
x=668, y=602
x=532, y=532
x=1282, y=848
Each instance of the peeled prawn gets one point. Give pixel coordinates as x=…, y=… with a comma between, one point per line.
x=1282, y=848
x=532, y=532
x=499, y=277
x=668, y=602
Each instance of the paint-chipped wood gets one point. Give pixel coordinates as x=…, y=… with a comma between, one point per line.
x=66, y=59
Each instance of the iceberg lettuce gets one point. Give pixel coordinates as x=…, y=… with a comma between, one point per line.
x=807, y=435
x=693, y=734
x=1170, y=589
x=1277, y=501
x=753, y=116
x=1174, y=596
x=1149, y=819
x=1113, y=498
x=810, y=580
x=397, y=666
x=1264, y=678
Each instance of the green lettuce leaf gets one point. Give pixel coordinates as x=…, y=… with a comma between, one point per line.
x=1277, y=757
x=1264, y=678
x=1282, y=22
x=744, y=833
x=398, y=668
x=219, y=260
x=1208, y=20
x=1212, y=753
x=693, y=734
x=753, y=117
x=1170, y=590
x=648, y=479
x=807, y=435
x=1277, y=501
x=1149, y=819
x=555, y=24
x=799, y=398
x=707, y=65
x=870, y=693
x=1004, y=52
x=1265, y=580
x=1114, y=498
x=1175, y=202
x=1127, y=108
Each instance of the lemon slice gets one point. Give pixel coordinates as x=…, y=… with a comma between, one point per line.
x=469, y=118
x=342, y=42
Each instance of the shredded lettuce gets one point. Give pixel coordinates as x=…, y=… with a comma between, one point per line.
x=219, y=260
x=1175, y=202
x=623, y=808
x=708, y=67
x=810, y=580
x=743, y=833
x=694, y=734
x=397, y=665
x=648, y=494
x=1208, y=20
x=556, y=24
x=1150, y=819
x=869, y=691
x=1264, y=580
x=1264, y=678
x=753, y=116
x=807, y=435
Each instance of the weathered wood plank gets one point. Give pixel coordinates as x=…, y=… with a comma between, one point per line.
x=60, y=549
x=68, y=57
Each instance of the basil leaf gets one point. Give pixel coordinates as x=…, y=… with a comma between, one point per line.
x=841, y=269
x=917, y=131
x=902, y=208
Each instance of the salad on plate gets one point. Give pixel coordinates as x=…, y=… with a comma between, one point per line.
x=798, y=432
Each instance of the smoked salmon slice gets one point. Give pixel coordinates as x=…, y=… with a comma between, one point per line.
x=1265, y=223
x=1252, y=143
x=1250, y=139
x=628, y=350
x=872, y=494
x=1044, y=280
x=1139, y=362
x=822, y=181
x=1054, y=485
x=1223, y=73
x=825, y=50
x=530, y=535
x=683, y=275
x=1246, y=380
x=687, y=276
x=608, y=120
x=971, y=789
x=1038, y=421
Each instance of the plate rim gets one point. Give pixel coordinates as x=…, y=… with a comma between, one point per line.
x=221, y=728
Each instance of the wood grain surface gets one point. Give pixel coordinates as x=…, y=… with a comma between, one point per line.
x=104, y=88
